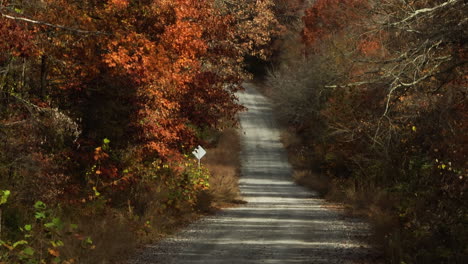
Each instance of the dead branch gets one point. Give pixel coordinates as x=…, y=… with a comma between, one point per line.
x=425, y=11
x=37, y=22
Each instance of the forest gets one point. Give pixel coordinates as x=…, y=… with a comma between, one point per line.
x=102, y=102
x=376, y=98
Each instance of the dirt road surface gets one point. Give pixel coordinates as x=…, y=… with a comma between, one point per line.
x=281, y=223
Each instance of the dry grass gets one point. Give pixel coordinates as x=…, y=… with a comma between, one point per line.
x=119, y=235
x=223, y=162
x=304, y=172
x=113, y=237
x=138, y=217
x=111, y=232
x=314, y=181
x=372, y=204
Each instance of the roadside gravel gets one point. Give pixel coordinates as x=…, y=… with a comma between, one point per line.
x=281, y=222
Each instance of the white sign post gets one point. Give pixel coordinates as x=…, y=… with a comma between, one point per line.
x=199, y=152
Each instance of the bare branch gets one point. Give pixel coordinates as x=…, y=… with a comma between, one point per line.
x=12, y=124
x=425, y=10
x=352, y=84
x=37, y=22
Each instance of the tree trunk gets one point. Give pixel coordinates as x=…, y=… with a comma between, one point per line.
x=43, y=76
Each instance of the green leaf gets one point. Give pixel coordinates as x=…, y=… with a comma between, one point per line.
x=57, y=222
x=19, y=11
x=40, y=205
x=58, y=243
x=4, y=196
x=106, y=141
x=88, y=241
x=40, y=215
x=96, y=193
x=73, y=226
x=49, y=225
x=28, y=251
x=18, y=243
x=28, y=227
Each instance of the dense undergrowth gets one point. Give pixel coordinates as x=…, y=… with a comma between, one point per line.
x=101, y=105
x=104, y=227
x=374, y=101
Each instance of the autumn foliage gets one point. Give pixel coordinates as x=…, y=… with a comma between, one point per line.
x=326, y=18
x=103, y=101
x=378, y=96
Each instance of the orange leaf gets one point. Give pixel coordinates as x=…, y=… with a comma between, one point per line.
x=54, y=252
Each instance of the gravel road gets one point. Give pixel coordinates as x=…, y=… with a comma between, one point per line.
x=281, y=223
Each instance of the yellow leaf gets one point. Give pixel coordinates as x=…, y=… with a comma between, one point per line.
x=96, y=191
x=414, y=128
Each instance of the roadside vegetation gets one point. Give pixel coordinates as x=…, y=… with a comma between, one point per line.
x=223, y=163
x=101, y=105
x=374, y=98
